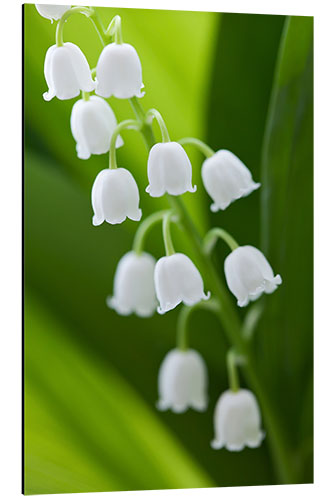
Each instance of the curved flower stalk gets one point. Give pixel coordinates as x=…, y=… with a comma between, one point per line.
x=67, y=72
x=169, y=170
x=114, y=197
x=249, y=274
x=226, y=179
x=182, y=382
x=237, y=421
x=92, y=123
x=119, y=72
x=51, y=12
x=134, y=290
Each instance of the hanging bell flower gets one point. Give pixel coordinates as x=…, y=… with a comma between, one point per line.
x=66, y=72
x=177, y=280
x=237, y=421
x=52, y=12
x=169, y=170
x=182, y=382
x=249, y=274
x=115, y=196
x=134, y=290
x=119, y=72
x=226, y=179
x=92, y=125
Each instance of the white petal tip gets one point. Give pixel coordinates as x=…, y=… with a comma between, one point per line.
x=96, y=221
x=47, y=96
x=216, y=445
x=136, y=216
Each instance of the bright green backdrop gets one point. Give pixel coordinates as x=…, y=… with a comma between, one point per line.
x=241, y=82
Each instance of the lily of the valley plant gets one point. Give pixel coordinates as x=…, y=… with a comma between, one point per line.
x=145, y=284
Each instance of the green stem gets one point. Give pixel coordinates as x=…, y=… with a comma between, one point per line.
x=169, y=249
x=202, y=146
x=212, y=236
x=60, y=26
x=251, y=320
x=183, y=321
x=144, y=227
x=232, y=370
x=114, y=29
x=85, y=95
x=232, y=326
x=146, y=130
x=153, y=113
x=104, y=37
x=126, y=124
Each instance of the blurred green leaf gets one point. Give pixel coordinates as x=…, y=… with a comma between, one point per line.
x=241, y=84
x=287, y=231
x=101, y=438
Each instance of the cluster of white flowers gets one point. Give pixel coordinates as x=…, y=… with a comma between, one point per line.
x=143, y=285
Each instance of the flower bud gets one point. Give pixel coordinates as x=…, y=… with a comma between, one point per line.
x=226, y=179
x=119, y=72
x=177, y=280
x=52, y=12
x=115, y=196
x=134, y=290
x=92, y=125
x=182, y=382
x=249, y=274
x=237, y=421
x=66, y=72
x=169, y=170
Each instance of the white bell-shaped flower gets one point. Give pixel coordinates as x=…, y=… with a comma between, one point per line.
x=115, y=196
x=182, y=382
x=66, y=72
x=133, y=290
x=169, y=170
x=118, y=72
x=52, y=12
x=249, y=274
x=92, y=125
x=226, y=179
x=177, y=280
x=237, y=421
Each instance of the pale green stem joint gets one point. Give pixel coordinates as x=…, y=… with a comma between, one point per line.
x=153, y=113
x=85, y=95
x=144, y=228
x=169, y=248
x=202, y=146
x=126, y=124
x=213, y=235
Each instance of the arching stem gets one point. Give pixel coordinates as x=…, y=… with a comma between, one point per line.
x=144, y=228
x=213, y=235
x=183, y=320
x=126, y=124
x=169, y=248
x=153, y=113
x=202, y=146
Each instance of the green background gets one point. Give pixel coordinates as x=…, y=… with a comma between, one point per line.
x=240, y=82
